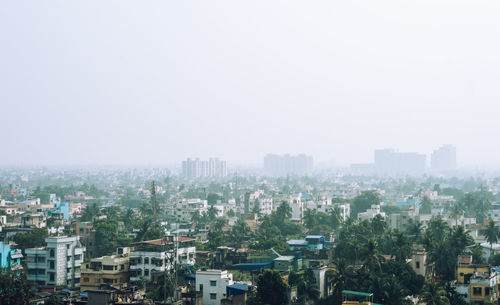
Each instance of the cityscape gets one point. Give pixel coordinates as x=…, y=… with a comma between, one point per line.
x=249, y=153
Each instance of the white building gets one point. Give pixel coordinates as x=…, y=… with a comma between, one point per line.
x=371, y=213
x=212, y=284
x=184, y=209
x=143, y=263
x=56, y=264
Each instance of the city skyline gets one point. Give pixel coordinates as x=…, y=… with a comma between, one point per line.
x=335, y=86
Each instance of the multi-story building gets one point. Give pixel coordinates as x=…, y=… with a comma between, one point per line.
x=389, y=162
x=212, y=284
x=160, y=255
x=477, y=283
x=56, y=264
x=184, y=209
x=276, y=165
x=373, y=211
x=444, y=158
x=9, y=257
x=34, y=220
x=112, y=270
x=196, y=168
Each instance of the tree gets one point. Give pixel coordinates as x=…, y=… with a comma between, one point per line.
x=364, y=201
x=434, y=294
x=14, y=287
x=491, y=233
x=212, y=198
x=271, y=289
x=425, y=205
x=284, y=211
x=31, y=239
x=90, y=211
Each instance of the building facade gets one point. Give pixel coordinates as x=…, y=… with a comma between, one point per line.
x=56, y=264
x=212, y=284
x=112, y=270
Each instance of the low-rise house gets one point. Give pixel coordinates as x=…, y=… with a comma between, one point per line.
x=111, y=270
x=9, y=257
x=477, y=282
x=213, y=285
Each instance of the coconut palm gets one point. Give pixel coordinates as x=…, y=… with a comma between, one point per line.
x=434, y=294
x=491, y=233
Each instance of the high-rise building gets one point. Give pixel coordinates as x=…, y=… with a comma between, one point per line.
x=213, y=167
x=444, y=158
x=389, y=162
x=283, y=165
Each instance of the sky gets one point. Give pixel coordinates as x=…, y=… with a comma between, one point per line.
x=155, y=82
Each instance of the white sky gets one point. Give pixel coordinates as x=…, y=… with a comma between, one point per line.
x=138, y=82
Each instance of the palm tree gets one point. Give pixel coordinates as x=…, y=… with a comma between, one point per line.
x=434, y=294
x=491, y=233
x=457, y=210
x=414, y=230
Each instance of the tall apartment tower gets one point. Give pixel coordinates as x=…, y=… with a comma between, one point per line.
x=196, y=168
x=390, y=162
x=283, y=165
x=444, y=158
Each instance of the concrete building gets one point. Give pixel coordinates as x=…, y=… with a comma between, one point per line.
x=389, y=162
x=154, y=256
x=56, y=264
x=196, y=168
x=34, y=220
x=9, y=257
x=444, y=158
x=371, y=213
x=213, y=285
x=284, y=165
x=112, y=270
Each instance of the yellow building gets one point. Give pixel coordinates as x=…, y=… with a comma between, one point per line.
x=477, y=283
x=112, y=270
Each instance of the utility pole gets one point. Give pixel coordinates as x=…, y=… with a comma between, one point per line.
x=154, y=202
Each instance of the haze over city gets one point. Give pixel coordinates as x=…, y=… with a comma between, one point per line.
x=95, y=82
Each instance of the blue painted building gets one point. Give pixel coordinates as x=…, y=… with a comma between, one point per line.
x=61, y=208
x=9, y=257
x=409, y=201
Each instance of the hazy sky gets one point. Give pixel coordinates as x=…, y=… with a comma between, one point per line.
x=141, y=82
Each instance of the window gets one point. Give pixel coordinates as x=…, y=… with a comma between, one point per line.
x=68, y=258
x=417, y=265
x=107, y=267
x=86, y=279
x=51, y=265
x=213, y=283
x=213, y=296
x=146, y=260
x=51, y=252
x=146, y=272
x=477, y=290
x=487, y=291
x=122, y=267
x=51, y=276
x=67, y=247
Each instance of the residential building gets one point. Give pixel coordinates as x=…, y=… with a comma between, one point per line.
x=56, y=264
x=213, y=285
x=390, y=162
x=33, y=220
x=371, y=212
x=477, y=283
x=9, y=257
x=444, y=158
x=196, y=168
x=284, y=165
x=159, y=255
x=112, y=270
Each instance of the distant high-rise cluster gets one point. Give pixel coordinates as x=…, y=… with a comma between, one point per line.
x=283, y=165
x=444, y=158
x=389, y=162
x=196, y=168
